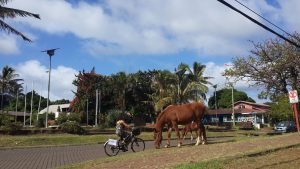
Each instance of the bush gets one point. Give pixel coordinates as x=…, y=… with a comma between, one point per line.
x=4, y=119
x=64, y=117
x=12, y=128
x=114, y=115
x=74, y=117
x=42, y=119
x=72, y=127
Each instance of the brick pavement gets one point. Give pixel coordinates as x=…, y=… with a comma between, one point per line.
x=48, y=157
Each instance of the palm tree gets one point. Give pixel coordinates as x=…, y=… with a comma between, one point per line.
x=8, y=82
x=12, y=13
x=163, y=84
x=198, y=83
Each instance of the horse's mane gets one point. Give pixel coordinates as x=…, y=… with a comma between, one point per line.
x=162, y=113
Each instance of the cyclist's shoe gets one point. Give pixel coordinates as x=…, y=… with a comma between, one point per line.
x=125, y=148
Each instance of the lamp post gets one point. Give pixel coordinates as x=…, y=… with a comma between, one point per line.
x=50, y=52
x=215, y=87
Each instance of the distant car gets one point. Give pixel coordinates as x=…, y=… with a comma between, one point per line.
x=285, y=126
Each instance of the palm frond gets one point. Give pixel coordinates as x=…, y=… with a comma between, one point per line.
x=10, y=29
x=3, y=1
x=12, y=13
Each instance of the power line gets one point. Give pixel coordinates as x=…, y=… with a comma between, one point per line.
x=263, y=18
x=258, y=23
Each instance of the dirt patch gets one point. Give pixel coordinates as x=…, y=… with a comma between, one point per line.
x=166, y=158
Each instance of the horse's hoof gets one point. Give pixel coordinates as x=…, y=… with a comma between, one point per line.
x=179, y=145
x=167, y=146
x=204, y=142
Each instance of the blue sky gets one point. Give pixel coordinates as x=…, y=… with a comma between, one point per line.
x=132, y=35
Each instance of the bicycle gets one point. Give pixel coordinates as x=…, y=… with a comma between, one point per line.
x=112, y=146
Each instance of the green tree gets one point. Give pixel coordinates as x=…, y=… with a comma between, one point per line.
x=164, y=87
x=8, y=83
x=6, y=12
x=224, y=98
x=198, y=82
x=273, y=64
x=280, y=110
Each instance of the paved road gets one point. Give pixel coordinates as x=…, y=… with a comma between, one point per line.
x=50, y=157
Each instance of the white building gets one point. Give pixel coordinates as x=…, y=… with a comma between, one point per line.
x=56, y=109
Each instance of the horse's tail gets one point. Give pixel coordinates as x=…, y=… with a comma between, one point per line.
x=205, y=110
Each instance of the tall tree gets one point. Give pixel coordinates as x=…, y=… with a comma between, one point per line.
x=274, y=64
x=164, y=86
x=198, y=82
x=8, y=82
x=6, y=12
x=224, y=98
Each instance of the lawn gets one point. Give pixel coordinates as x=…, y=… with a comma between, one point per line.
x=7, y=141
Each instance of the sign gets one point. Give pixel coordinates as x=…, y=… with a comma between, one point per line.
x=112, y=142
x=293, y=96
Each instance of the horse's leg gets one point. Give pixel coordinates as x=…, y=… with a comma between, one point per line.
x=198, y=131
x=169, y=137
x=191, y=135
x=179, y=141
x=203, y=134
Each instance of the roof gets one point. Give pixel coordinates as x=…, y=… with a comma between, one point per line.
x=14, y=113
x=53, y=108
x=238, y=111
x=251, y=103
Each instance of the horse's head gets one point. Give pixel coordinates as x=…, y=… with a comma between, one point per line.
x=157, y=138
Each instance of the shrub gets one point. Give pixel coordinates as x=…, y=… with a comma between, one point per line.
x=12, y=128
x=72, y=127
x=74, y=117
x=114, y=115
x=62, y=118
x=42, y=119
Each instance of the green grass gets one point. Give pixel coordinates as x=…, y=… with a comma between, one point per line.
x=7, y=141
x=263, y=158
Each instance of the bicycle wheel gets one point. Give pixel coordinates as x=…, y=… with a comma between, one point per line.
x=111, y=150
x=137, y=145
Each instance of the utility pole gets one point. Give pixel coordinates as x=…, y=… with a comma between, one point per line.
x=50, y=53
x=215, y=86
x=31, y=103
x=25, y=106
x=96, y=113
x=232, y=99
x=87, y=112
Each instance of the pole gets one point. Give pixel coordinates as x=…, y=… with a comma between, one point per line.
x=215, y=86
x=232, y=99
x=17, y=104
x=25, y=106
x=296, y=116
x=96, y=113
x=31, y=102
x=87, y=112
x=99, y=102
x=37, y=116
x=46, y=125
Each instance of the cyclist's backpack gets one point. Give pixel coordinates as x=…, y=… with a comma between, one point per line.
x=119, y=130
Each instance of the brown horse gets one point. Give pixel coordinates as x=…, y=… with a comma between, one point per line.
x=189, y=128
x=184, y=114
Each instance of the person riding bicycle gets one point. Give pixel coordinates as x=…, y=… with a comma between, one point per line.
x=121, y=128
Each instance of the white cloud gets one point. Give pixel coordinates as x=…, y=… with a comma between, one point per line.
x=148, y=27
x=216, y=71
x=8, y=45
x=61, y=79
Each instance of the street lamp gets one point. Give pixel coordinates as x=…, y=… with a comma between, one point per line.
x=50, y=52
x=215, y=87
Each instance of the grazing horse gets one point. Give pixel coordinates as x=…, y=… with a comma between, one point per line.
x=175, y=115
x=189, y=128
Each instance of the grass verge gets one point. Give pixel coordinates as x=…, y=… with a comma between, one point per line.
x=271, y=158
